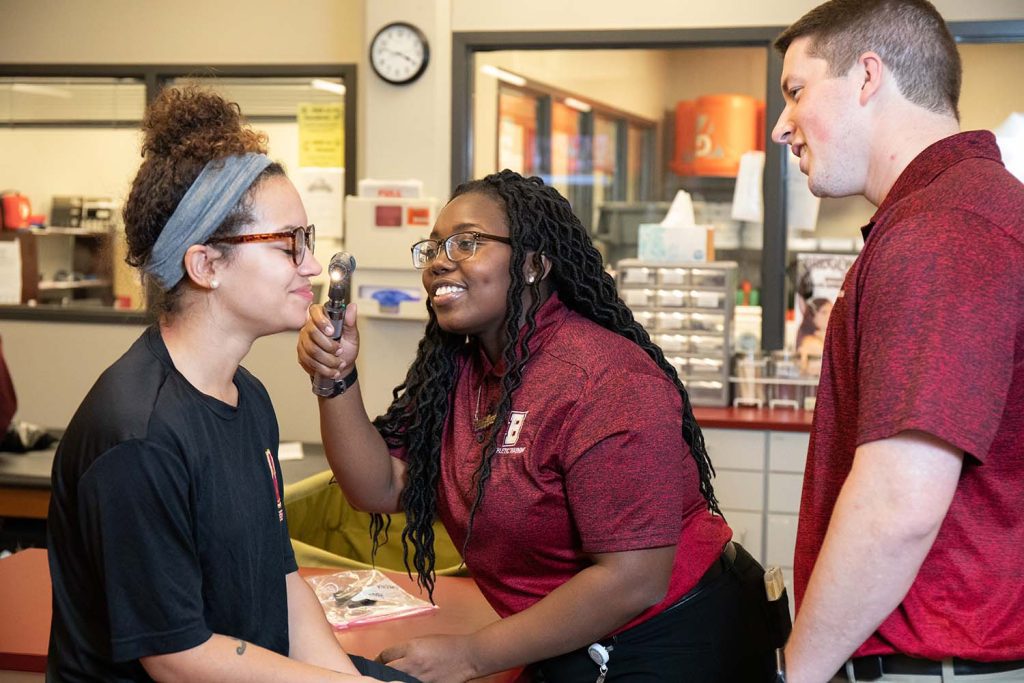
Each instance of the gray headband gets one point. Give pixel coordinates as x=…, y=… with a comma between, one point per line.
x=213, y=195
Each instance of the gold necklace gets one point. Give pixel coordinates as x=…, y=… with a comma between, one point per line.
x=485, y=422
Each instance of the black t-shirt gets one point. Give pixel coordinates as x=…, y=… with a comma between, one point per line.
x=166, y=521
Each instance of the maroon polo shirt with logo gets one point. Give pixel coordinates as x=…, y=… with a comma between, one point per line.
x=928, y=334
x=591, y=460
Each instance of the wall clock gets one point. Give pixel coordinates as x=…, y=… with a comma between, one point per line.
x=399, y=53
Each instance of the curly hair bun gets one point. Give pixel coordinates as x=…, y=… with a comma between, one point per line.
x=185, y=128
x=195, y=123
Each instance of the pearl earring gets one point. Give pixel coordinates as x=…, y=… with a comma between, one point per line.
x=214, y=284
x=529, y=280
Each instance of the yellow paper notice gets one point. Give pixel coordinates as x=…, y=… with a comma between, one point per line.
x=322, y=135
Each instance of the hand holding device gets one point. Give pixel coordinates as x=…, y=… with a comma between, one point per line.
x=340, y=270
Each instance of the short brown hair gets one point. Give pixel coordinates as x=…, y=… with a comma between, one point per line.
x=909, y=35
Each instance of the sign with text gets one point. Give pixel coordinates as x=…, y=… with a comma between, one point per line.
x=322, y=135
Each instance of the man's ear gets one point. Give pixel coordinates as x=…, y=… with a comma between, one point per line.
x=201, y=264
x=870, y=69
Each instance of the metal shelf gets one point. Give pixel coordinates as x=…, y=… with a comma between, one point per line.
x=50, y=285
x=75, y=232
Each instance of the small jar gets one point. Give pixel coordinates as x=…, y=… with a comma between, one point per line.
x=785, y=366
x=750, y=366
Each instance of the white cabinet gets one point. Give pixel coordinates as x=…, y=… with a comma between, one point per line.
x=747, y=530
x=784, y=492
x=759, y=482
x=739, y=458
x=740, y=490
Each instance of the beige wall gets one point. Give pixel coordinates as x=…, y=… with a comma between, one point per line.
x=54, y=364
x=184, y=31
x=403, y=132
x=477, y=15
x=993, y=84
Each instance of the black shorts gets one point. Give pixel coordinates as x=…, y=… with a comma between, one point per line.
x=368, y=667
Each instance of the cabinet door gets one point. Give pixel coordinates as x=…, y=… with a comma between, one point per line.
x=740, y=490
x=736, y=449
x=780, y=542
x=746, y=530
x=787, y=451
x=784, y=490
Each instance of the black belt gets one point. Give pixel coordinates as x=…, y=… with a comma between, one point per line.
x=874, y=667
x=721, y=565
x=717, y=568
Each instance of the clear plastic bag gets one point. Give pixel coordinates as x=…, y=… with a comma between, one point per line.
x=363, y=596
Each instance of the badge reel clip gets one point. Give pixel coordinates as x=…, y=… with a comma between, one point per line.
x=599, y=654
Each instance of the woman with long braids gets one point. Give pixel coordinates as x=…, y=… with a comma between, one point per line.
x=559, y=449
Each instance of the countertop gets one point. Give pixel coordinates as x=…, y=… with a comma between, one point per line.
x=32, y=470
x=771, y=419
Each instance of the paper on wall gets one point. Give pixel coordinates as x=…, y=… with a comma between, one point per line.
x=801, y=205
x=10, y=272
x=1010, y=138
x=748, y=196
x=322, y=191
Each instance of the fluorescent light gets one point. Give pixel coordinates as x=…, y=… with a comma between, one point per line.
x=578, y=105
x=329, y=86
x=45, y=90
x=503, y=75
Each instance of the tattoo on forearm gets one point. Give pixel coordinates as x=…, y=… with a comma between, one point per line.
x=240, y=650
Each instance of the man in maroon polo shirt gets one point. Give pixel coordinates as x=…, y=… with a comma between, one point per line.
x=910, y=548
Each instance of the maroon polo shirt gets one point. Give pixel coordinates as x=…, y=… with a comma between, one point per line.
x=928, y=334
x=591, y=460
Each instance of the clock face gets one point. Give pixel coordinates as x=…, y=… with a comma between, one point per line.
x=399, y=53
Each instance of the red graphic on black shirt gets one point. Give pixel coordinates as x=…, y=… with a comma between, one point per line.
x=277, y=491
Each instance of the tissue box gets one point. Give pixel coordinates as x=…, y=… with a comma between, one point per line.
x=661, y=244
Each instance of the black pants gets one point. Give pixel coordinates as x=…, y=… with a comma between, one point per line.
x=377, y=670
x=718, y=635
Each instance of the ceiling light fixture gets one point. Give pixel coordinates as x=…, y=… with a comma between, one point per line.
x=503, y=75
x=329, y=86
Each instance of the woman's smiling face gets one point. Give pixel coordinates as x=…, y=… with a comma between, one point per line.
x=469, y=297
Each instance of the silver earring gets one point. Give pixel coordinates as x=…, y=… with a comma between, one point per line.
x=529, y=280
x=214, y=284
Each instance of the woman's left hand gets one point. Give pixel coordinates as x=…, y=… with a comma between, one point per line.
x=433, y=659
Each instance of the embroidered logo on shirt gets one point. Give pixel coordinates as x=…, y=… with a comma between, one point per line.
x=515, y=427
x=277, y=490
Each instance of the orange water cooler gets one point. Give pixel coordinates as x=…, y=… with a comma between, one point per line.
x=725, y=126
x=686, y=122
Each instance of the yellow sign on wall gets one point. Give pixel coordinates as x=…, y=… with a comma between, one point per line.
x=322, y=135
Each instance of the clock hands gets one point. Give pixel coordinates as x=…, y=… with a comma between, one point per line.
x=400, y=54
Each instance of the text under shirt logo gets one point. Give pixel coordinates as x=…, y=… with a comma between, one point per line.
x=277, y=491
x=515, y=427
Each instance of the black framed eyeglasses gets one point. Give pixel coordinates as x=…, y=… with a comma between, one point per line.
x=457, y=247
x=302, y=238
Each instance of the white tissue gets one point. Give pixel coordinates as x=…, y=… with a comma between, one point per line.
x=680, y=214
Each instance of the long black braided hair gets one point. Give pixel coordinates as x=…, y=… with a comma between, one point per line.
x=541, y=225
